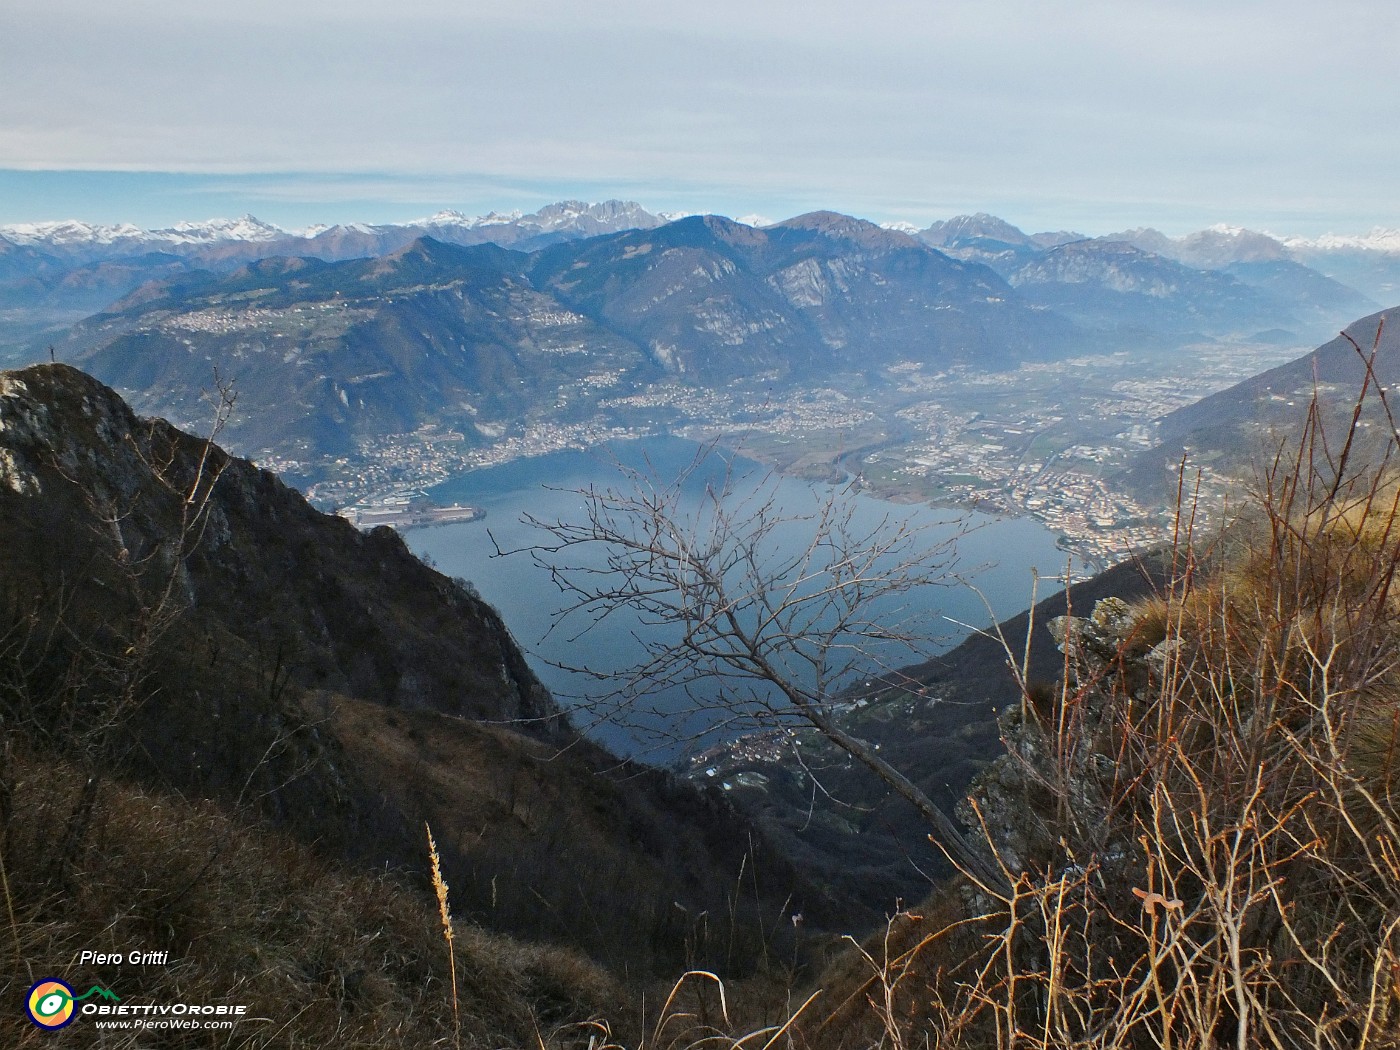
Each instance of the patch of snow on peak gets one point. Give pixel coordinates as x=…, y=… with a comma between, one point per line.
x=1380, y=239
x=69, y=232
x=244, y=228
x=901, y=227
x=749, y=220
x=451, y=217
x=495, y=218
x=73, y=233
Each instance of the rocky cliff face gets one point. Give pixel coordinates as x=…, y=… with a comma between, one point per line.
x=177, y=617
x=80, y=474
x=1021, y=797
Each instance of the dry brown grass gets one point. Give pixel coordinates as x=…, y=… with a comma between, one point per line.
x=1199, y=837
x=1197, y=840
x=247, y=916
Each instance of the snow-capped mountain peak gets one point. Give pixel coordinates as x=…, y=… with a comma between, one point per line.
x=604, y=217
x=564, y=216
x=87, y=240
x=1380, y=239
x=72, y=233
x=244, y=228
x=969, y=227
x=68, y=232
x=451, y=217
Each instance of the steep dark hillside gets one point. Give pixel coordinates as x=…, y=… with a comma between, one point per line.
x=177, y=617
x=936, y=722
x=321, y=956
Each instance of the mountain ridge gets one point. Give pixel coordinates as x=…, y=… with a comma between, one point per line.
x=69, y=269
x=481, y=337
x=1236, y=434
x=570, y=217
x=186, y=621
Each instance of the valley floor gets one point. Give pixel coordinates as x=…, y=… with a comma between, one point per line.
x=1044, y=440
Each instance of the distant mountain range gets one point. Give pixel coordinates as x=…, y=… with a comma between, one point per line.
x=1370, y=262
x=1145, y=285
x=965, y=229
x=482, y=337
x=715, y=299
x=345, y=335
x=258, y=239
x=54, y=273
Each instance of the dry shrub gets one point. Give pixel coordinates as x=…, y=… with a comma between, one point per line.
x=1198, y=838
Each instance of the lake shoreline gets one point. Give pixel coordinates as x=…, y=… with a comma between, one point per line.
x=996, y=553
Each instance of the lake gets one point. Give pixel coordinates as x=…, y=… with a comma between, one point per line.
x=997, y=555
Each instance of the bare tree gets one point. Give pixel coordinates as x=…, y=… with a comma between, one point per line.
x=767, y=614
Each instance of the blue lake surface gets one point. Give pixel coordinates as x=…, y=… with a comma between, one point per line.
x=997, y=555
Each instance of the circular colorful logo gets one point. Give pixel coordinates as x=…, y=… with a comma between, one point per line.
x=50, y=1003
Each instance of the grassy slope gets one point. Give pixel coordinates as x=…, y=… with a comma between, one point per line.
x=328, y=683
x=253, y=917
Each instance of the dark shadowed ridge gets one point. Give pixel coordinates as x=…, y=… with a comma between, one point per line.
x=328, y=681
x=936, y=722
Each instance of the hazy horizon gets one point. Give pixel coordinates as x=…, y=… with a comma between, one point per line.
x=165, y=212
x=1176, y=114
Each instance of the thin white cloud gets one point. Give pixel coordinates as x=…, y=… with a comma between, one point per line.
x=1172, y=102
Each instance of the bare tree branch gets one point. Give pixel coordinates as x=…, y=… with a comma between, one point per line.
x=781, y=609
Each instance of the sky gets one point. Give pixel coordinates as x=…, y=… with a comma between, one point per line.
x=1096, y=115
